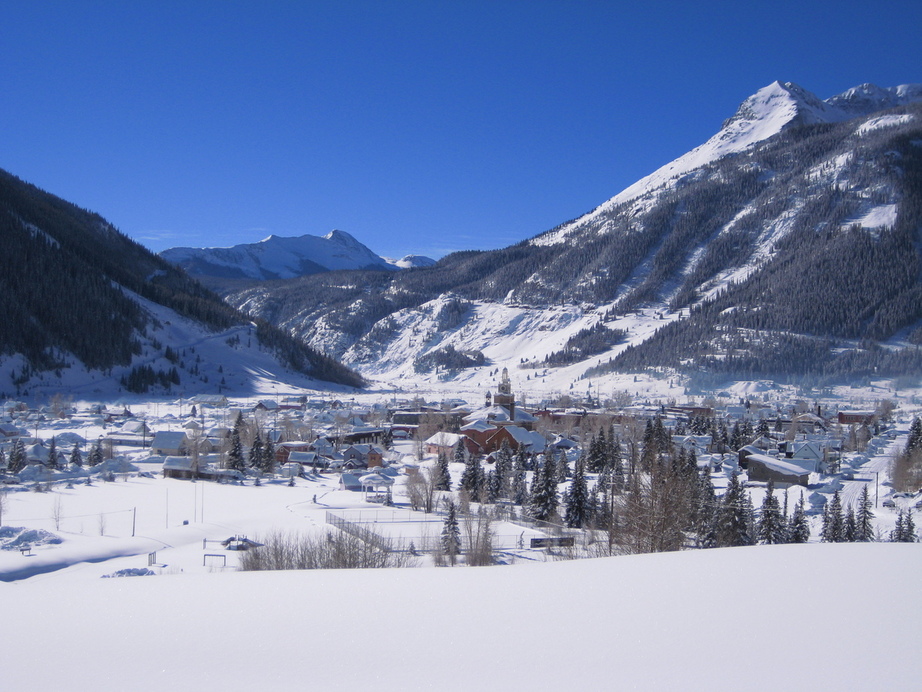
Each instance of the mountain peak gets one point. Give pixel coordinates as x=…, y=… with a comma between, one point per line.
x=279, y=257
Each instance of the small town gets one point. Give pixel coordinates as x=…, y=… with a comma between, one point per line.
x=390, y=473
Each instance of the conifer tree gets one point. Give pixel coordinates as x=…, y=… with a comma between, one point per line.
x=267, y=463
x=914, y=441
x=460, y=456
x=850, y=528
x=473, y=479
x=53, y=453
x=905, y=529
x=705, y=511
x=451, y=532
x=749, y=517
x=864, y=528
x=771, y=523
x=733, y=524
x=577, y=509
x=235, y=453
x=544, y=491
x=255, y=457
x=896, y=535
x=563, y=467
x=442, y=476
x=833, y=520
x=75, y=457
x=595, y=457
x=17, y=461
x=518, y=487
x=95, y=457
x=503, y=470
x=799, y=527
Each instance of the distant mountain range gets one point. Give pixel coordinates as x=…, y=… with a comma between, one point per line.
x=787, y=245
x=285, y=258
x=86, y=309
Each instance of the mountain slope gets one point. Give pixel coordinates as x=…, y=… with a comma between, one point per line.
x=78, y=294
x=284, y=258
x=787, y=245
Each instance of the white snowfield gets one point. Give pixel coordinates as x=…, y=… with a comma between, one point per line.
x=807, y=617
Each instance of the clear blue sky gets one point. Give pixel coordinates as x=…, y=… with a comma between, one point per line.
x=416, y=126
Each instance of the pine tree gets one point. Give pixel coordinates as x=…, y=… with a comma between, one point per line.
x=850, y=530
x=905, y=529
x=896, y=535
x=235, y=453
x=914, y=440
x=451, y=532
x=563, y=467
x=503, y=470
x=799, y=527
x=442, y=475
x=909, y=528
x=705, y=511
x=518, y=487
x=833, y=520
x=544, y=491
x=733, y=524
x=267, y=463
x=577, y=499
x=864, y=525
x=17, y=461
x=53, y=453
x=255, y=457
x=95, y=458
x=771, y=523
x=473, y=479
x=749, y=519
x=595, y=458
x=75, y=457
x=460, y=456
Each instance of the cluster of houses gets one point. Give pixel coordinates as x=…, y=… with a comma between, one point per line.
x=355, y=440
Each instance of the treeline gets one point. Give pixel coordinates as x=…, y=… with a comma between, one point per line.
x=448, y=358
x=143, y=377
x=585, y=343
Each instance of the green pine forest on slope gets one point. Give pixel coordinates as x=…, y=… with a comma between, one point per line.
x=60, y=276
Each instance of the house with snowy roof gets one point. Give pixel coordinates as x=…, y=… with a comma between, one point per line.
x=762, y=467
x=446, y=443
x=170, y=443
x=517, y=438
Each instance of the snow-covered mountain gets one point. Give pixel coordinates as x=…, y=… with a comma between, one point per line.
x=86, y=310
x=277, y=257
x=763, y=115
x=787, y=245
x=411, y=262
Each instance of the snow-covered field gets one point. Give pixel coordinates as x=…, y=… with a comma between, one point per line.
x=814, y=617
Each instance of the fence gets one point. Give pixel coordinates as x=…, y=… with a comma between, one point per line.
x=423, y=531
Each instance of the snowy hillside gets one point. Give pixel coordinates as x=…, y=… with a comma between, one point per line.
x=285, y=258
x=728, y=260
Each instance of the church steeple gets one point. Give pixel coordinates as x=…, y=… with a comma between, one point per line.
x=504, y=396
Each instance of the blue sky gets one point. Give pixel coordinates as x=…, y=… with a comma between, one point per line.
x=418, y=127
